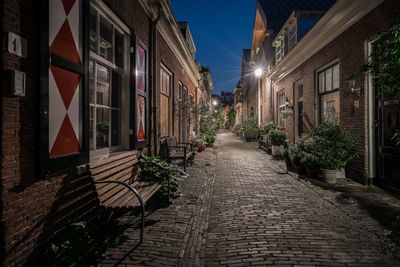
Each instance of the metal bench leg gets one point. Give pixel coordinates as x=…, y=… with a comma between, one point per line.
x=133, y=190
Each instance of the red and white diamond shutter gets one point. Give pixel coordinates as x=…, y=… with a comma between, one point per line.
x=65, y=85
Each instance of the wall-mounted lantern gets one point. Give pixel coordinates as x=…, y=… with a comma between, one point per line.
x=353, y=86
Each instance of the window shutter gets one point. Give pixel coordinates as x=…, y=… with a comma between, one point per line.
x=139, y=93
x=64, y=84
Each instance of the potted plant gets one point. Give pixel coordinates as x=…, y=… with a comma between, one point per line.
x=311, y=162
x=296, y=152
x=198, y=145
x=310, y=159
x=288, y=161
x=278, y=139
x=334, y=148
x=268, y=127
x=250, y=130
x=210, y=139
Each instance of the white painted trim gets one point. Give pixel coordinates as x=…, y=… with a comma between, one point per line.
x=340, y=17
x=110, y=15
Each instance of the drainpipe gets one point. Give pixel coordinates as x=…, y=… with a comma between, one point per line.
x=153, y=78
x=271, y=102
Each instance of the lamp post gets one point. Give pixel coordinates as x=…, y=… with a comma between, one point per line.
x=258, y=73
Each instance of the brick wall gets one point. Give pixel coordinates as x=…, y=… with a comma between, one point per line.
x=169, y=60
x=349, y=49
x=34, y=207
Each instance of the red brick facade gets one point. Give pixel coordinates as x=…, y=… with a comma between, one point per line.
x=349, y=49
x=32, y=207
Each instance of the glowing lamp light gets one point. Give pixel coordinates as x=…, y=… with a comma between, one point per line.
x=258, y=72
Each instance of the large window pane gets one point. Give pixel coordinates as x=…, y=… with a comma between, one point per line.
x=93, y=30
x=119, y=48
x=328, y=79
x=321, y=82
x=336, y=77
x=103, y=86
x=116, y=128
x=102, y=127
x=164, y=115
x=106, y=34
x=116, y=90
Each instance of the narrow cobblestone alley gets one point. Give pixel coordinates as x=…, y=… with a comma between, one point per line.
x=239, y=208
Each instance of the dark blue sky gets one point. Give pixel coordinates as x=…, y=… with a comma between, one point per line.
x=220, y=29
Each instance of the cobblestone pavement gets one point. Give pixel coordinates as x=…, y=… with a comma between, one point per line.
x=240, y=209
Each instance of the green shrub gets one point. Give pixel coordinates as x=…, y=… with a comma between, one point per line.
x=155, y=169
x=277, y=137
x=250, y=128
x=269, y=126
x=334, y=146
x=296, y=152
x=209, y=138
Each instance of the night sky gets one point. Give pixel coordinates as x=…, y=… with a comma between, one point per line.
x=220, y=29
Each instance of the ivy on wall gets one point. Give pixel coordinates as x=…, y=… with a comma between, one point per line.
x=385, y=62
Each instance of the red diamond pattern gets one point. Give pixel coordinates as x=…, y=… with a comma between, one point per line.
x=64, y=44
x=68, y=4
x=67, y=83
x=66, y=141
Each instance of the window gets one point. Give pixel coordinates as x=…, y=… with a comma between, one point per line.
x=280, y=48
x=328, y=79
x=165, y=95
x=292, y=37
x=108, y=84
x=329, y=97
x=281, y=107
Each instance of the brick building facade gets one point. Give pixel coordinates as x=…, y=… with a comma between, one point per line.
x=117, y=43
x=320, y=78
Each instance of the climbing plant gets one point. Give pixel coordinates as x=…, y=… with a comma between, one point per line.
x=384, y=65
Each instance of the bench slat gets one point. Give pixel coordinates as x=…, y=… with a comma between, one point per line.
x=131, y=160
x=106, y=161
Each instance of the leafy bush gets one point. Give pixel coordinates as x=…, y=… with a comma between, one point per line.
x=230, y=118
x=269, y=126
x=310, y=157
x=155, y=169
x=334, y=146
x=209, y=138
x=197, y=142
x=81, y=243
x=296, y=152
x=250, y=128
x=277, y=137
x=384, y=65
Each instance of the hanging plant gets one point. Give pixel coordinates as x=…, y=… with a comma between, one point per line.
x=385, y=62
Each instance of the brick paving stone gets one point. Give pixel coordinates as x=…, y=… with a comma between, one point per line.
x=240, y=209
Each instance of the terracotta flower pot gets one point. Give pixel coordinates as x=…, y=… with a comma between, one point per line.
x=329, y=176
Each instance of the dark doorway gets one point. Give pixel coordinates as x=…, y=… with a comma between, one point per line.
x=388, y=154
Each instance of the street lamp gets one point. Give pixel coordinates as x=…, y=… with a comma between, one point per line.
x=258, y=73
x=215, y=103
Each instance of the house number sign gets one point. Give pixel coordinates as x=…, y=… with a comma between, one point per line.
x=17, y=45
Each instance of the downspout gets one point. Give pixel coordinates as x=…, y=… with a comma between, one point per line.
x=153, y=79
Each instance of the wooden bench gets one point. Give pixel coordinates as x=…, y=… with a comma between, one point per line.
x=171, y=151
x=118, y=185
